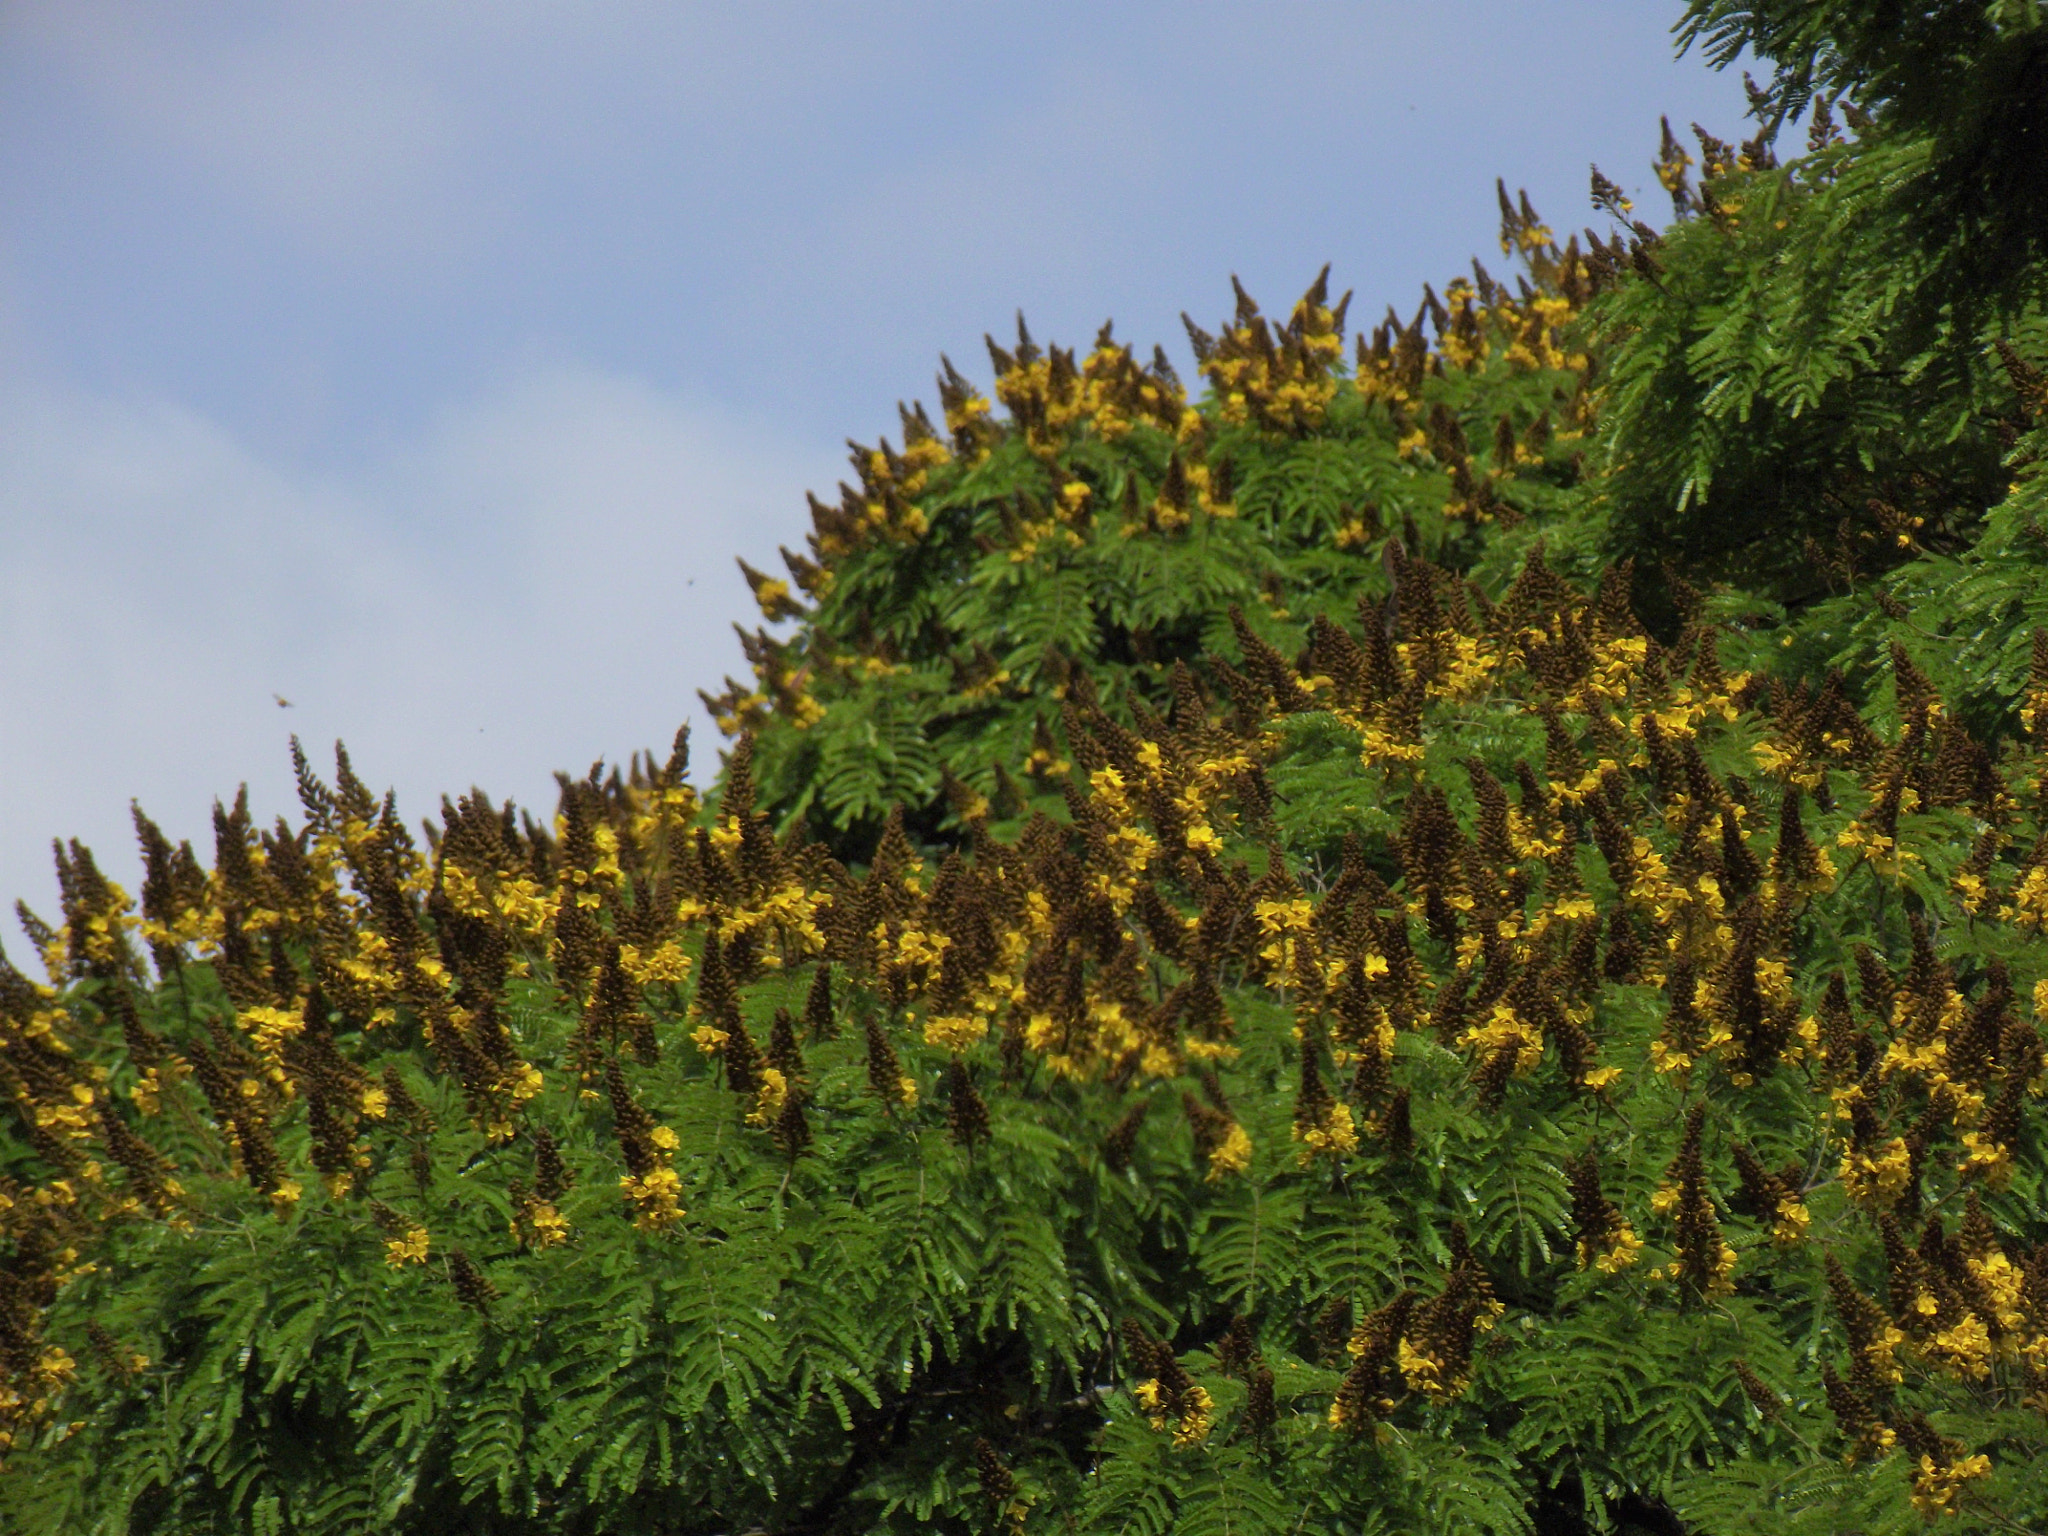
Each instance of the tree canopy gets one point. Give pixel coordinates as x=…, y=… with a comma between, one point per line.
x=1443, y=931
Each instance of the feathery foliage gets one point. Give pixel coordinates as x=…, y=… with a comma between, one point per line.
x=1365, y=952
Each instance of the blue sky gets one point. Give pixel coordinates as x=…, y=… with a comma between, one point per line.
x=426, y=365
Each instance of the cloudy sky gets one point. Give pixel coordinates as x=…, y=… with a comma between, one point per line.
x=425, y=365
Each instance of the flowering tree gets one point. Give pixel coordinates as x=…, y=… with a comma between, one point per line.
x=1257, y=962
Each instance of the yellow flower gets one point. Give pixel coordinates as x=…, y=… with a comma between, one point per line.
x=1332, y=1137
x=654, y=1198
x=1621, y=1251
x=665, y=963
x=1877, y=1181
x=2005, y=1285
x=1284, y=916
x=1791, y=1223
x=1935, y=1484
x=409, y=1249
x=548, y=1225
x=56, y=1366
x=768, y=1101
x=1232, y=1155
x=1505, y=1029
x=1769, y=757
x=1422, y=1372
x=954, y=1032
x=1965, y=1348
x=1196, y=1419
x=146, y=1094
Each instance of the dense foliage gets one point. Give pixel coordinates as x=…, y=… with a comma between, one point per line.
x=1107, y=528
x=1447, y=941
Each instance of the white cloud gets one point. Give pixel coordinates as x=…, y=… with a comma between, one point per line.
x=159, y=584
